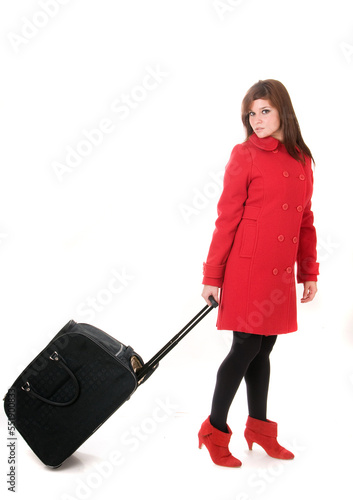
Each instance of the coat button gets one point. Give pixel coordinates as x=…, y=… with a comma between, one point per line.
x=280, y=237
x=295, y=239
x=302, y=177
x=285, y=206
x=285, y=173
x=299, y=208
x=289, y=270
x=275, y=151
x=275, y=271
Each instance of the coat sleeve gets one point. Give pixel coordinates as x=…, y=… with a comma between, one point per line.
x=307, y=265
x=229, y=209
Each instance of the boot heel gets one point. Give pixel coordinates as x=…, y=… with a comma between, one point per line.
x=250, y=443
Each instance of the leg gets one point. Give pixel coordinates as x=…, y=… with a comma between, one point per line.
x=257, y=378
x=231, y=372
x=258, y=429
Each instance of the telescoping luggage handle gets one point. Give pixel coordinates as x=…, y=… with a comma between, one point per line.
x=176, y=339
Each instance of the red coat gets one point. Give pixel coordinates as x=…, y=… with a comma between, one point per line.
x=264, y=227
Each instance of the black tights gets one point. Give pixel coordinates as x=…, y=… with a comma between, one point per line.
x=249, y=358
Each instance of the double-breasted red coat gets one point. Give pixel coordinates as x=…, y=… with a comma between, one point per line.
x=263, y=230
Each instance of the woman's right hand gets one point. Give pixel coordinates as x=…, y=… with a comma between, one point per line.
x=210, y=290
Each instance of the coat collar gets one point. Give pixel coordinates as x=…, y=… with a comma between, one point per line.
x=267, y=143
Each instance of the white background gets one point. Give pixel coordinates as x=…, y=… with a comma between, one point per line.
x=142, y=204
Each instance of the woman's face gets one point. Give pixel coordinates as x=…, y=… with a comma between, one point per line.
x=264, y=119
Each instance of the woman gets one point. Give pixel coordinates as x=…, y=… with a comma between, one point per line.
x=264, y=226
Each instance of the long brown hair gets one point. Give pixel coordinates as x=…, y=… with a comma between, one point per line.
x=275, y=92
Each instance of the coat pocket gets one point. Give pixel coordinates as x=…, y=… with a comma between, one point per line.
x=249, y=239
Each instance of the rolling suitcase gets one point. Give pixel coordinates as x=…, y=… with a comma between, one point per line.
x=75, y=384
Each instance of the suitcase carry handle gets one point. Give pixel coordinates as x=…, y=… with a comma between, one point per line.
x=151, y=364
x=60, y=360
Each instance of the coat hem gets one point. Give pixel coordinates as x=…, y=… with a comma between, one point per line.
x=258, y=332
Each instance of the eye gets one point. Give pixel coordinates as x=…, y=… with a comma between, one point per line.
x=251, y=113
x=265, y=111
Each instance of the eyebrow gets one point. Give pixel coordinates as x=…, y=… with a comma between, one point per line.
x=263, y=107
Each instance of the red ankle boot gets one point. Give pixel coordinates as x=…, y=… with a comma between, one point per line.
x=264, y=433
x=217, y=443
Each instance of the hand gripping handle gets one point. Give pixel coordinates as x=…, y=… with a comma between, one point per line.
x=213, y=301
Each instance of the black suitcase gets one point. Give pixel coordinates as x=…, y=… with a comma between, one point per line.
x=75, y=384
